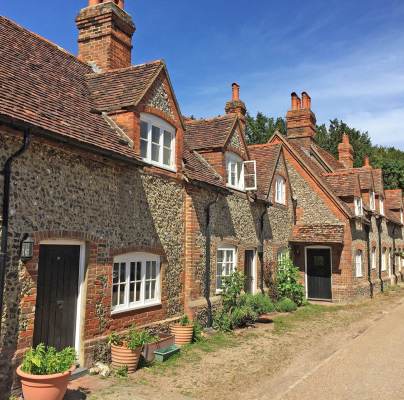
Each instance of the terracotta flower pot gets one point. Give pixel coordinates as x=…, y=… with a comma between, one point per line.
x=122, y=356
x=44, y=387
x=183, y=334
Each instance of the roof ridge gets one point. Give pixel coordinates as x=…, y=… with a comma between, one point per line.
x=264, y=145
x=45, y=40
x=225, y=116
x=123, y=69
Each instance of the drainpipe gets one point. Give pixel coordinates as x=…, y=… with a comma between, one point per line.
x=5, y=214
x=207, y=260
x=379, y=230
x=261, y=250
x=367, y=228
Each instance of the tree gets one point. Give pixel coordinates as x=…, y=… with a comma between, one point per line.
x=261, y=128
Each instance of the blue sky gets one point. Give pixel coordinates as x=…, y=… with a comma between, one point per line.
x=349, y=55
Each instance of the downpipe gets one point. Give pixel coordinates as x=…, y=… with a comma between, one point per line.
x=261, y=252
x=369, y=262
x=379, y=230
x=6, y=172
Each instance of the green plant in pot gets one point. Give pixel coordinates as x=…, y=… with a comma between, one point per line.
x=127, y=348
x=183, y=331
x=45, y=372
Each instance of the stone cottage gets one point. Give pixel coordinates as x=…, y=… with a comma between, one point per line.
x=112, y=215
x=349, y=229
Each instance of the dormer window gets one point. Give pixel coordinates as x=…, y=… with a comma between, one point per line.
x=157, y=142
x=358, y=206
x=381, y=206
x=241, y=175
x=372, y=201
x=280, y=190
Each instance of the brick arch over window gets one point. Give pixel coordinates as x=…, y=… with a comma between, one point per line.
x=66, y=235
x=156, y=249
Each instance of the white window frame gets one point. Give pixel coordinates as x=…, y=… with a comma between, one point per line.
x=143, y=258
x=372, y=200
x=384, y=259
x=226, y=250
x=389, y=262
x=358, y=206
x=235, y=164
x=280, y=190
x=381, y=206
x=359, y=263
x=157, y=122
x=374, y=258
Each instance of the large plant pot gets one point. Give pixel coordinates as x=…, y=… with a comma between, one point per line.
x=44, y=387
x=183, y=334
x=122, y=356
x=149, y=348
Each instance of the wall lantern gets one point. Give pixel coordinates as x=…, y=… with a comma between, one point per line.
x=27, y=248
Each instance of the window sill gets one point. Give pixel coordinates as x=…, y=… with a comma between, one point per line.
x=158, y=165
x=135, y=308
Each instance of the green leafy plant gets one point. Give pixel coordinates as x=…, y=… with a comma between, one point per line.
x=133, y=339
x=44, y=360
x=260, y=303
x=184, y=321
x=288, y=282
x=121, y=372
x=197, y=335
x=286, y=305
x=231, y=291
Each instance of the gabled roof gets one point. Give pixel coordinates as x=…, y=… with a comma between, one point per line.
x=266, y=157
x=344, y=183
x=318, y=233
x=365, y=177
x=394, y=199
x=209, y=133
x=44, y=86
x=122, y=88
x=196, y=168
x=327, y=157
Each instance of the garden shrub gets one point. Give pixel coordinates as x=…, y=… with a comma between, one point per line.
x=286, y=305
x=288, y=282
x=260, y=303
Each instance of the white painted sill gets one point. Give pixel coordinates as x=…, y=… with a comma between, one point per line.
x=135, y=308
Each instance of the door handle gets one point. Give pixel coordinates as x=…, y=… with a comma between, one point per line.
x=60, y=304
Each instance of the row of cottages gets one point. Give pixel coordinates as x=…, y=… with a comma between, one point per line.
x=118, y=210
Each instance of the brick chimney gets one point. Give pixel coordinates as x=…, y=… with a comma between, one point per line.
x=236, y=106
x=105, y=34
x=366, y=163
x=300, y=120
x=345, y=152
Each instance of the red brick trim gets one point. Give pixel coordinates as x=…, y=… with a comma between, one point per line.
x=67, y=235
x=158, y=113
x=157, y=249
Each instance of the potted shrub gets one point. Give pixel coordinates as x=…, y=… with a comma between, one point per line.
x=183, y=331
x=126, y=349
x=45, y=372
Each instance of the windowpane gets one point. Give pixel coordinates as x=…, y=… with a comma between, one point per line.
x=115, y=295
x=148, y=270
x=115, y=274
x=166, y=156
x=139, y=271
x=122, y=274
x=138, y=288
x=147, y=294
x=155, y=152
x=155, y=134
x=122, y=294
x=132, y=293
x=143, y=148
x=220, y=256
x=225, y=265
x=144, y=130
x=167, y=139
x=153, y=290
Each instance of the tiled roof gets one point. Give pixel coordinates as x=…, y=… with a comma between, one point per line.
x=328, y=157
x=319, y=233
x=266, y=157
x=378, y=180
x=344, y=183
x=393, y=217
x=43, y=85
x=365, y=178
x=115, y=90
x=196, y=168
x=209, y=133
x=394, y=199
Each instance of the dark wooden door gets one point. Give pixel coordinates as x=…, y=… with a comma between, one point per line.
x=319, y=274
x=56, y=304
x=249, y=271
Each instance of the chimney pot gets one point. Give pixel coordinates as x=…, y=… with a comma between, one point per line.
x=295, y=101
x=366, y=162
x=345, y=139
x=235, y=92
x=119, y=3
x=306, y=101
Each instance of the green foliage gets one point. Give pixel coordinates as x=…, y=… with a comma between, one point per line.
x=133, y=339
x=261, y=128
x=121, y=372
x=44, y=360
x=185, y=321
x=288, y=282
x=243, y=316
x=222, y=321
x=260, y=303
x=197, y=335
x=231, y=291
x=286, y=305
